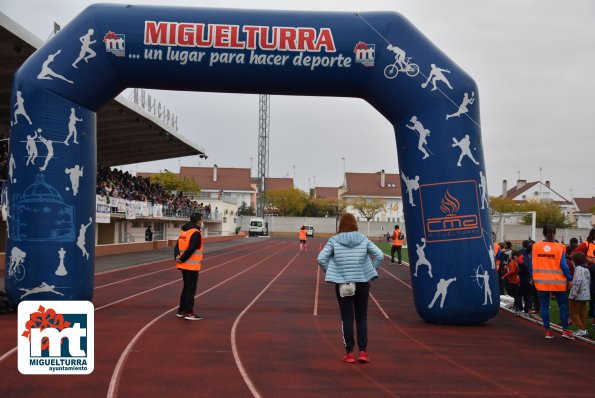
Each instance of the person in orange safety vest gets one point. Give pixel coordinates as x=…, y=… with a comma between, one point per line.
x=398, y=239
x=551, y=275
x=188, y=254
x=302, y=236
x=588, y=247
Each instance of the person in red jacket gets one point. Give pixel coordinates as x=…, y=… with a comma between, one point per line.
x=588, y=247
x=514, y=280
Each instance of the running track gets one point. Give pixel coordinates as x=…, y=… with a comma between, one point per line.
x=271, y=329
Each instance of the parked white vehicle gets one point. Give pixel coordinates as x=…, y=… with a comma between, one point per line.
x=309, y=230
x=258, y=227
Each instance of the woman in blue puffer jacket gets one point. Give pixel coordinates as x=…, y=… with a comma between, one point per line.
x=350, y=257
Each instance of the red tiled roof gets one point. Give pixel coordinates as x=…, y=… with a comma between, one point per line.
x=368, y=184
x=279, y=183
x=228, y=179
x=584, y=204
x=326, y=192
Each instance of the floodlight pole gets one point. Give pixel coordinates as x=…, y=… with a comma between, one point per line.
x=264, y=118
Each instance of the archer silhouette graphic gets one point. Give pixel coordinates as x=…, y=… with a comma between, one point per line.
x=47, y=73
x=411, y=184
x=72, y=127
x=441, y=291
x=86, y=52
x=421, y=258
x=418, y=127
x=464, y=145
x=484, y=276
x=20, y=105
x=436, y=75
x=463, y=107
x=75, y=174
x=80, y=242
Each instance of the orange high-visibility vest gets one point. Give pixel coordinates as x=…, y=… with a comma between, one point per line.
x=194, y=262
x=395, y=237
x=496, y=248
x=590, y=249
x=547, y=272
x=302, y=234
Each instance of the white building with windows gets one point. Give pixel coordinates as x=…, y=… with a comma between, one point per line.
x=536, y=191
x=379, y=185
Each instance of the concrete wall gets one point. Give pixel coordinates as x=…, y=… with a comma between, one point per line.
x=518, y=233
x=325, y=227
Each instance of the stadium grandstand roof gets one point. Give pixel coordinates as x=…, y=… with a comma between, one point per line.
x=126, y=133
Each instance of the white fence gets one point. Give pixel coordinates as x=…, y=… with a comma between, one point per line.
x=374, y=229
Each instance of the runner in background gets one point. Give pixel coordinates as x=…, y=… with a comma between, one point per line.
x=397, y=238
x=302, y=235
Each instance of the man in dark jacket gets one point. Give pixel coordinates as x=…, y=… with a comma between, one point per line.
x=188, y=254
x=148, y=234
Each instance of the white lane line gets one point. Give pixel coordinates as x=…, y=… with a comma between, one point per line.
x=149, y=263
x=378, y=305
x=163, y=270
x=400, y=280
x=134, y=277
x=8, y=353
x=317, y=290
x=116, y=375
x=234, y=347
x=14, y=349
x=174, y=281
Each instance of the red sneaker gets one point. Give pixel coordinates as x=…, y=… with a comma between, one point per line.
x=549, y=334
x=349, y=358
x=567, y=334
x=192, y=317
x=363, y=357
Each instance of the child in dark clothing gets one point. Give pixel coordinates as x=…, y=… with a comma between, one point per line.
x=525, y=295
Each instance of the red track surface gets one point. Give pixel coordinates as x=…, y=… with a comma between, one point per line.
x=271, y=328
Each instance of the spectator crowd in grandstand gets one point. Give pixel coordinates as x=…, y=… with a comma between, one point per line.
x=121, y=184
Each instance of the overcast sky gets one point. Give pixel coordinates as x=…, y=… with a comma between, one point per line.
x=532, y=60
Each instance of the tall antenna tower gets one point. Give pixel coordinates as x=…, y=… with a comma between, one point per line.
x=264, y=119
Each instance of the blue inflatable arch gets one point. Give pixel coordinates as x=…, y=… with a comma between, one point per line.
x=378, y=56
